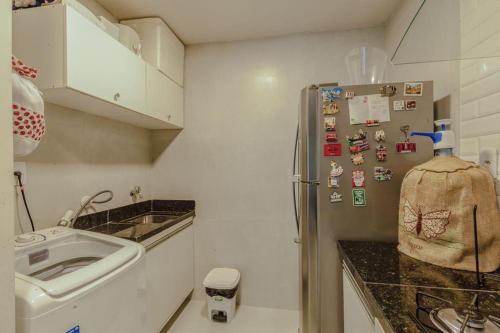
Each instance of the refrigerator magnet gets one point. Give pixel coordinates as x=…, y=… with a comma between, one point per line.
x=358, y=178
x=333, y=182
x=335, y=173
x=335, y=197
x=359, y=197
x=360, y=135
x=381, y=153
x=410, y=105
x=332, y=149
x=398, y=105
x=331, y=136
x=414, y=89
x=360, y=146
x=358, y=142
x=379, y=135
x=330, y=123
x=388, y=91
x=337, y=170
x=358, y=158
x=330, y=108
x=406, y=146
x=372, y=123
x=328, y=96
x=337, y=92
x=382, y=174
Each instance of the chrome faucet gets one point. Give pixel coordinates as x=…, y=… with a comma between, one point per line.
x=89, y=201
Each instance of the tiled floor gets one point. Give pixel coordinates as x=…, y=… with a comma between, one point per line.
x=248, y=319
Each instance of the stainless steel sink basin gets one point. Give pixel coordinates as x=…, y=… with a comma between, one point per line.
x=151, y=219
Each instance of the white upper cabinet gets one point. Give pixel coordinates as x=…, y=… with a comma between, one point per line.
x=100, y=66
x=83, y=68
x=160, y=46
x=164, y=98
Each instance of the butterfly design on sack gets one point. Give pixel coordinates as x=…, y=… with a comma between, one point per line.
x=431, y=224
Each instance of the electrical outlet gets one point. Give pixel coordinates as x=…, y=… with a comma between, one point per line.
x=489, y=159
x=21, y=167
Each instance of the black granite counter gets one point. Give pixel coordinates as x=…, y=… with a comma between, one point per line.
x=139, y=221
x=390, y=280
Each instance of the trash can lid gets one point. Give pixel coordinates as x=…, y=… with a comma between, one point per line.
x=222, y=278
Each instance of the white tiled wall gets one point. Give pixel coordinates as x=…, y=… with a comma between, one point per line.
x=480, y=78
x=235, y=155
x=80, y=155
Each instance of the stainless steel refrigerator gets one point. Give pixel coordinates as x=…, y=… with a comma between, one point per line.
x=320, y=221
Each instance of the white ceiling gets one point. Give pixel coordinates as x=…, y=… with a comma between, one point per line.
x=201, y=21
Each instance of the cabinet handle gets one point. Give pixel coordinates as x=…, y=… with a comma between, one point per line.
x=116, y=97
x=169, y=116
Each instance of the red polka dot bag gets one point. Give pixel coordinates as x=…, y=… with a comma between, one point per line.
x=27, y=109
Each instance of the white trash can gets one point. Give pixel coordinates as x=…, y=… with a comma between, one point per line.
x=221, y=286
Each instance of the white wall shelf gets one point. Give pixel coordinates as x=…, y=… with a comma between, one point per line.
x=83, y=68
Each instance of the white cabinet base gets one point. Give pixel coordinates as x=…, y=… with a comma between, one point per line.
x=357, y=316
x=170, y=277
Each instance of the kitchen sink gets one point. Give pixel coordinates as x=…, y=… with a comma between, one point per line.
x=151, y=219
x=142, y=227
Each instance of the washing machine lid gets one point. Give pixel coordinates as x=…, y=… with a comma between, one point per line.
x=62, y=260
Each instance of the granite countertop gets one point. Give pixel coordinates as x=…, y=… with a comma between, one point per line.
x=389, y=281
x=139, y=221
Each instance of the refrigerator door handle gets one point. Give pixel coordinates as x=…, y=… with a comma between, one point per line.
x=310, y=182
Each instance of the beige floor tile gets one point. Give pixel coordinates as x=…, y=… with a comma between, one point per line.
x=248, y=319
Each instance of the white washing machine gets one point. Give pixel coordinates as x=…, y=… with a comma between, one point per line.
x=75, y=281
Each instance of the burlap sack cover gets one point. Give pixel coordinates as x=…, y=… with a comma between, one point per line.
x=436, y=214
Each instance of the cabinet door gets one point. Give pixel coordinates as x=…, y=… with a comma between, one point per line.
x=165, y=98
x=170, y=277
x=98, y=65
x=172, y=51
x=356, y=317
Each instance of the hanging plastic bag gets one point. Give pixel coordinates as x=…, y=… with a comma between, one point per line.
x=27, y=109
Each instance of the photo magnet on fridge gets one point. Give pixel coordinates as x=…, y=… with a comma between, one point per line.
x=414, y=89
x=410, y=105
x=330, y=123
x=328, y=97
x=333, y=182
x=359, y=197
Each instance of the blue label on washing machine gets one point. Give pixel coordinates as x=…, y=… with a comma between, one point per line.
x=75, y=329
